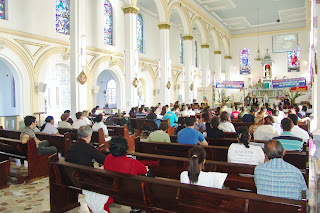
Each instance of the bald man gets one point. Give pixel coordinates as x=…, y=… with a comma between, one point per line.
x=276, y=177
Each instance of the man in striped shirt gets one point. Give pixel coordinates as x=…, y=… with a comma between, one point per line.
x=287, y=139
x=276, y=177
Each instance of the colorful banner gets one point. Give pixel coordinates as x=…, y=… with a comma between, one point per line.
x=230, y=85
x=299, y=89
x=291, y=82
x=205, y=95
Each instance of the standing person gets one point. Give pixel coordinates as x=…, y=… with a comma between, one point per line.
x=100, y=125
x=79, y=122
x=64, y=122
x=195, y=175
x=276, y=177
x=69, y=119
x=28, y=133
x=48, y=128
x=255, y=101
x=160, y=135
x=189, y=135
x=83, y=153
x=225, y=124
x=247, y=100
x=212, y=130
x=242, y=152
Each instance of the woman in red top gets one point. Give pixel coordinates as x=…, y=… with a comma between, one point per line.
x=118, y=161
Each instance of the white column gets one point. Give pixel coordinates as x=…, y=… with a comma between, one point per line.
x=228, y=64
x=130, y=41
x=205, y=65
x=217, y=71
x=165, y=76
x=77, y=30
x=188, y=62
x=316, y=84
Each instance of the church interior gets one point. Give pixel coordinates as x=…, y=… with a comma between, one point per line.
x=119, y=54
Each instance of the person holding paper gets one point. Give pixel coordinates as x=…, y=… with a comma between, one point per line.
x=195, y=175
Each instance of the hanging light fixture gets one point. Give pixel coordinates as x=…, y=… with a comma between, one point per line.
x=258, y=58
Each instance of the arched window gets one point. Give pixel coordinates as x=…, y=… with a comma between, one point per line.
x=196, y=53
x=58, y=90
x=108, y=23
x=181, y=49
x=2, y=9
x=294, y=61
x=63, y=16
x=140, y=33
x=111, y=92
x=245, y=61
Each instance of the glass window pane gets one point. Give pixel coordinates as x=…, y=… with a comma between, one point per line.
x=63, y=16
x=245, y=61
x=108, y=23
x=2, y=9
x=140, y=33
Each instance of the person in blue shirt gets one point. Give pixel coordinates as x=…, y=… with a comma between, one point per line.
x=249, y=117
x=172, y=116
x=189, y=135
x=287, y=139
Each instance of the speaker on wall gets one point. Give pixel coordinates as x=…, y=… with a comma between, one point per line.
x=42, y=87
x=96, y=89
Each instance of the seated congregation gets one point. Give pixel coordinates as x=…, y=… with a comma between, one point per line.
x=248, y=157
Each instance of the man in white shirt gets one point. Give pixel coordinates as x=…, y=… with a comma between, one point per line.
x=296, y=130
x=266, y=131
x=79, y=122
x=99, y=124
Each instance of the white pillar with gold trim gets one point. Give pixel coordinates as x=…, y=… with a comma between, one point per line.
x=131, y=56
x=217, y=72
x=228, y=63
x=78, y=83
x=165, y=76
x=205, y=65
x=187, y=61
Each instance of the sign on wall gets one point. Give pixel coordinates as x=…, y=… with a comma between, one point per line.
x=205, y=95
x=284, y=43
x=290, y=82
x=230, y=85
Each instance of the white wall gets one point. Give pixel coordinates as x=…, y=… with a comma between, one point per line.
x=279, y=67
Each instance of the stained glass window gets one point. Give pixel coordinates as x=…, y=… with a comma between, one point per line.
x=108, y=23
x=196, y=53
x=111, y=92
x=2, y=9
x=140, y=33
x=245, y=61
x=181, y=49
x=294, y=61
x=63, y=16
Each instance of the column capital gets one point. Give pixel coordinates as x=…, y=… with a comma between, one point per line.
x=130, y=9
x=187, y=37
x=228, y=57
x=205, y=46
x=164, y=26
x=217, y=52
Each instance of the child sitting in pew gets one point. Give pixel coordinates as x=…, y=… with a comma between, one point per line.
x=195, y=175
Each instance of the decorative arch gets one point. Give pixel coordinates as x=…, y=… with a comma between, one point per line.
x=184, y=16
x=24, y=68
x=226, y=44
x=98, y=67
x=216, y=39
x=202, y=28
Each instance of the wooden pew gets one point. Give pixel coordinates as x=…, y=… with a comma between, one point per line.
x=148, y=125
x=4, y=172
x=155, y=195
x=37, y=165
x=61, y=142
x=124, y=131
x=216, y=153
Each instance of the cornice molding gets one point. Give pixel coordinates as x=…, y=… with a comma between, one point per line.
x=205, y=45
x=130, y=9
x=187, y=37
x=164, y=26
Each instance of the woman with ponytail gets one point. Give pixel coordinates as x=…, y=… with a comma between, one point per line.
x=242, y=152
x=195, y=175
x=48, y=127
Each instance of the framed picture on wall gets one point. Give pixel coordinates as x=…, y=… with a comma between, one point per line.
x=285, y=43
x=294, y=61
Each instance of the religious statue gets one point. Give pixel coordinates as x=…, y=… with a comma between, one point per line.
x=267, y=71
